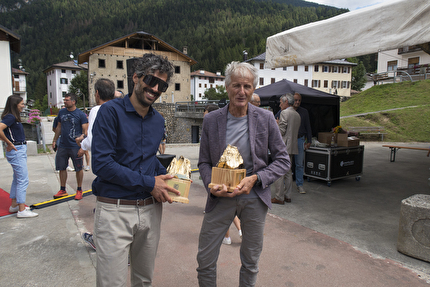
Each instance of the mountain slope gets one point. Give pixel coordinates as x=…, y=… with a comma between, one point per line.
x=215, y=31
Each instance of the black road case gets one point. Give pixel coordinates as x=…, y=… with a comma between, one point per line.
x=333, y=163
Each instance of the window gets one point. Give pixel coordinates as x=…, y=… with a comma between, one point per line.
x=178, y=87
x=284, y=68
x=413, y=62
x=50, y=95
x=200, y=85
x=345, y=70
x=63, y=71
x=392, y=65
x=335, y=69
x=261, y=66
x=273, y=69
x=295, y=81
x=211, y=80
x=316, y=68
x=272, y=80
x=306, y=68
x=119, y=64
x=335, y=84
x=326, y=69
x=16, y=76
x=325, y=83
x=296, y=68
x=50, y=84
x=261, y=81
x=63, y=81
x=206, y=85
x=316, y=83
x=212, y=86
x=73, y=72
x=306, y=82
x=177, y=69
x=102, y=63
x=344, y=84
x=64, y=94
x=120, y=84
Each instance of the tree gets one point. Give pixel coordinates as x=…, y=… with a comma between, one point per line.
x=358, y=77
x=79, y=86
x=216, y=94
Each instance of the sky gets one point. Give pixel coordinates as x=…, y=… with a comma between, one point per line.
x=350, y=4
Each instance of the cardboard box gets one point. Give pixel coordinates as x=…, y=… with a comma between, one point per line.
x=325, y=137
x=229, y=177
x=183, y=186
x=349, y=141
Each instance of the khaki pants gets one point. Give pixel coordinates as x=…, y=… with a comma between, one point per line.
x=123, y=229
x=284, y=185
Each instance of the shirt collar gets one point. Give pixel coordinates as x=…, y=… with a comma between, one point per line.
x=129, y=107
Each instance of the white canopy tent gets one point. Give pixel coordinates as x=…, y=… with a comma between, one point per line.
x=397, y=24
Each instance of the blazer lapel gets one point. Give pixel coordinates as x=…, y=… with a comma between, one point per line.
x=252, y=128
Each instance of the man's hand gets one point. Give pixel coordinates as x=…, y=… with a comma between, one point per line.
x=81, y=152
x=161, y=189
x=79, y=139
x=244, y=187
x=54, y=144
x=307, y=145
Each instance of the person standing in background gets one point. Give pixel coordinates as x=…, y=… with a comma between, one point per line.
x=12, y=133
x=304, y=141
x=72, y=122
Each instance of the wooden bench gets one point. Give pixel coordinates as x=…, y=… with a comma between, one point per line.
x=395, y=148
x=369, y=131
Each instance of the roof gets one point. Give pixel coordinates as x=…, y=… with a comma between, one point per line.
x=71, y=65
x=205, y=74
x=18, y=71
x=138, y=39
x=262, y=57
x=14, y=39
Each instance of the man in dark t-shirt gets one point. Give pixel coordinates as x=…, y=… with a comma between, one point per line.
x=72, y=123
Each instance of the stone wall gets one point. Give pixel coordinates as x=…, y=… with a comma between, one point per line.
x=179, y=126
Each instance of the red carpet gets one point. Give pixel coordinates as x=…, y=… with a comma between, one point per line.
x=4, y=202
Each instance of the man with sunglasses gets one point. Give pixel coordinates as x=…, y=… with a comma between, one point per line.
x=130, y=184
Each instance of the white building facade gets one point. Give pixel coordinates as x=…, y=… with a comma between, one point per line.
x=9, y=41
x=405, y=59
x=333, y=77
x=202, y=80
x=20, y=83
x=58, y=78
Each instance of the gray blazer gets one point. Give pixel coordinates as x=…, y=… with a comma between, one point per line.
x=289, y=124
x=264, y=135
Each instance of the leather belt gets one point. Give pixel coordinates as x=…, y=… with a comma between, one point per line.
x=137, y=202
x=19, y=143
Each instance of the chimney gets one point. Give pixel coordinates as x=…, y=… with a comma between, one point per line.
x=202, y=72
x=245, y=55
x=185, y=50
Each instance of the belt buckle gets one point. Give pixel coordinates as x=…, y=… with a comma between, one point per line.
x=137, y=202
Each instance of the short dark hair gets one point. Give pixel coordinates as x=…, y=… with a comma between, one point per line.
x=106, y=89
x=72, y=96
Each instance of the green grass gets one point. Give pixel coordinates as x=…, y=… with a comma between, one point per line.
x=411, y=124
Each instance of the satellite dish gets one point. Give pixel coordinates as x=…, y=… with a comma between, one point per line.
x=71, y=55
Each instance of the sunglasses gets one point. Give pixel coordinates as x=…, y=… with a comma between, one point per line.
x=152, y=81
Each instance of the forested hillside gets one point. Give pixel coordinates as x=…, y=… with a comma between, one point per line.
x=215, y=31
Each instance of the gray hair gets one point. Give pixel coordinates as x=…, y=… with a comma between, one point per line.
x=150, y=63
x=289, y=98
x=241, y=69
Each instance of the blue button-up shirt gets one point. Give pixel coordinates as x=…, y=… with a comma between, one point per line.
x=124, y=150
